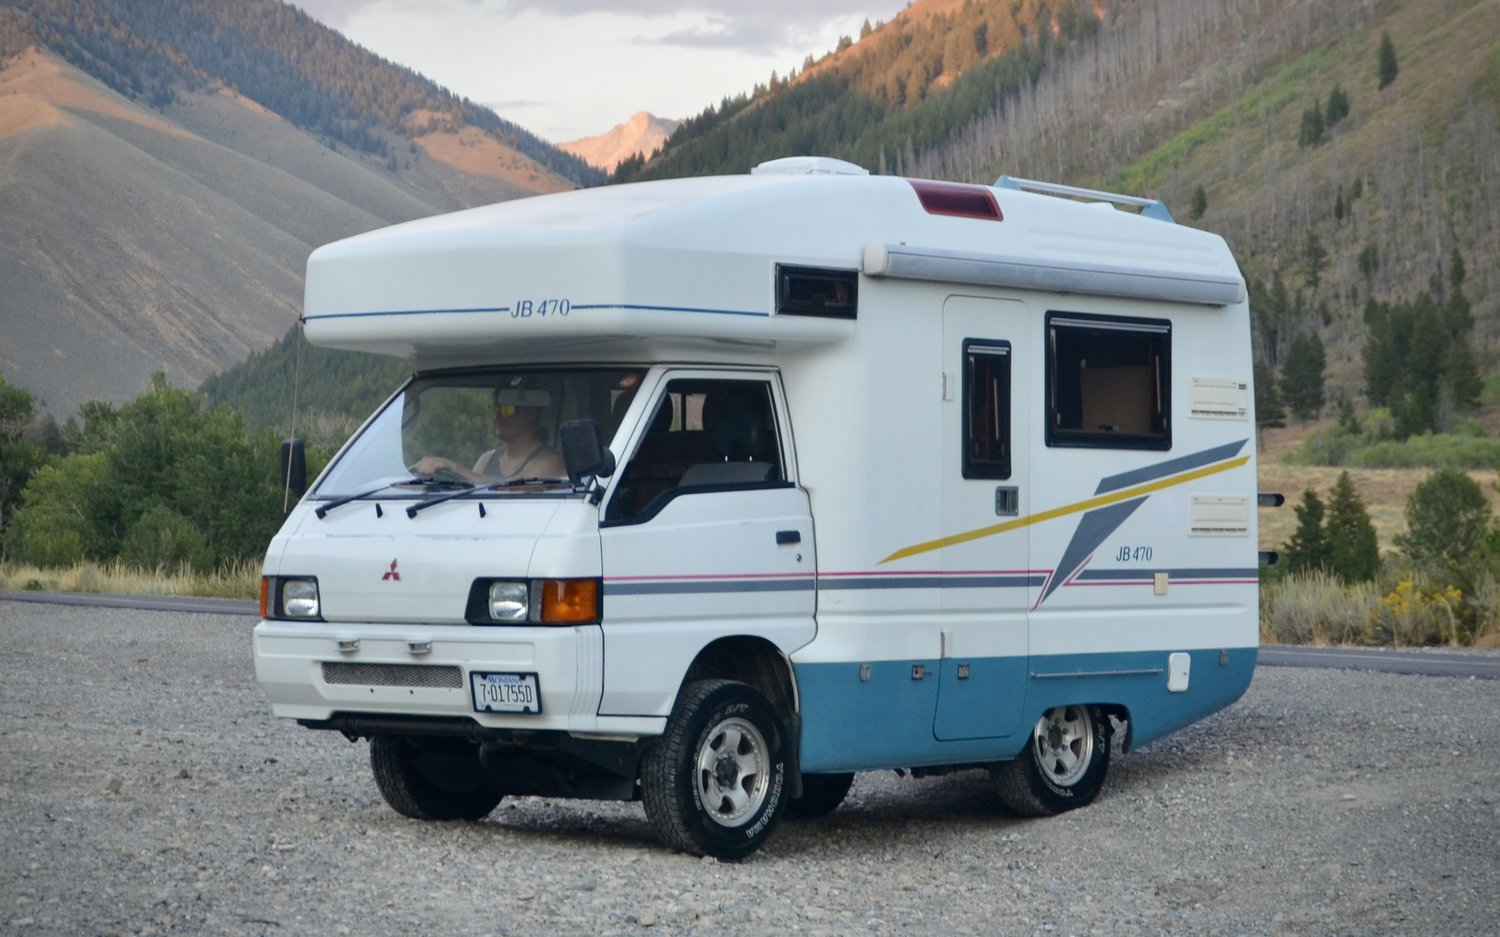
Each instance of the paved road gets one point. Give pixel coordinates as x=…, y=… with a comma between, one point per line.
x=156, y=603
x=1432, y=663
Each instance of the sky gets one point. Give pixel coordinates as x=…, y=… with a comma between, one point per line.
x=565, y=69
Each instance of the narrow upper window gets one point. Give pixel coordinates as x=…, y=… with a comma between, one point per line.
x=986, y=396
x=1108, y=382
x=817, y=291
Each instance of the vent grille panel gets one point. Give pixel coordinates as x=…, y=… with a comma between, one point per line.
x=429, y=676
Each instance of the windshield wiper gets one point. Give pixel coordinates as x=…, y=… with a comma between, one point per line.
x=511, y=483
x=426, y=481
x=323, y=509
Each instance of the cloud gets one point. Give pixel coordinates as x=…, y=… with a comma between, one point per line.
x=767, y=26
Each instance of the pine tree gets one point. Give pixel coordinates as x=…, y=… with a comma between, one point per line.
x=1353, y=550
x=1308, y=549
x=1199, y=204
x=1302, y=377
x=1447, y=521
x=1337, y=107
x=1315, y=256
x=1386, y=68
x=1311, y=132
x=1270, y=413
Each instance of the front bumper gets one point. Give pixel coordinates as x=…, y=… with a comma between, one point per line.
x=312, y=671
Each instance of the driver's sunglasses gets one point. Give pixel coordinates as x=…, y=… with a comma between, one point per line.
x=505, y=409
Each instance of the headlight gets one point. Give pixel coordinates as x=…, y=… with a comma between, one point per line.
x=534, y=602
x=290, y=598
x=508, y=601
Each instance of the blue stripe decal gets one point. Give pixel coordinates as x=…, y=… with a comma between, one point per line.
x=1170, y=467
x=935, y=581
x=1092, y=530
x=1148, y=575
x=495, y=310
x=409, y=312
x=701, y=587
x=630, y=307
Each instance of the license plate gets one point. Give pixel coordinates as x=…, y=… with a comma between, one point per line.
x=505, y=692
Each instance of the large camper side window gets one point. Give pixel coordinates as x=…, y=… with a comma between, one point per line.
x=986, y=409
x=1108, y=381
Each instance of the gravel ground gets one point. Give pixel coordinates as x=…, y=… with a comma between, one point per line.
x=146, y=789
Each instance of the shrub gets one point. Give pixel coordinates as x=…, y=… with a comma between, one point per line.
x=1315, y=608
x=162, y=537
x=1410, y=617
x=1448, y=521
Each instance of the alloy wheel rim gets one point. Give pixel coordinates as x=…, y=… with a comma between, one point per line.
x=1064, y=744
x=732, y=773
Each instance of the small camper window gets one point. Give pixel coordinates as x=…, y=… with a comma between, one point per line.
x=816, y=291
x=1108, y=380
x=986, y=396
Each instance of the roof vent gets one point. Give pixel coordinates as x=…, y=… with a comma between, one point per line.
x=808, y=166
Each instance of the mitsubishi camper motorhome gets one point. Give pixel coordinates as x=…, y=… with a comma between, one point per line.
x=714, y=492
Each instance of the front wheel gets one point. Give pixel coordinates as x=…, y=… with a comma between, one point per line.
x=1062, y=766
x=433, y=780
x=714, y=784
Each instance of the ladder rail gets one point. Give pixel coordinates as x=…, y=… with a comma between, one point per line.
x=1150, y=207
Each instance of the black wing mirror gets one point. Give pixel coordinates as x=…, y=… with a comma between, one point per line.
x=583, y=450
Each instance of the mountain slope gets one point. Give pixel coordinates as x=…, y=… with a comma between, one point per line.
x=641, y=135
x=1169, y=97
x=164, y=218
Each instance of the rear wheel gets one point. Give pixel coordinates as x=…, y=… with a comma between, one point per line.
x=821, y=795
x=714, y=783
x=431, y=780
x=1062, y=766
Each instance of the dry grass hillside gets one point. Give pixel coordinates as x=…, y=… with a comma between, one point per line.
x=142, y=240
x=1383, y=490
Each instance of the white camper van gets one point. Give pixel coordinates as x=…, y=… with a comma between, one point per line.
x=713, y=492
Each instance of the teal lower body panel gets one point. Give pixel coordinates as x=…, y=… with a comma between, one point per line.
x=1138, y=682
x=858, y=719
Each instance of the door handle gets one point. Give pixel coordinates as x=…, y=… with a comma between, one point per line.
x=1007, y=501
x=785, y=537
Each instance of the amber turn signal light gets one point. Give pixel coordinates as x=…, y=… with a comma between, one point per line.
x=570, y=601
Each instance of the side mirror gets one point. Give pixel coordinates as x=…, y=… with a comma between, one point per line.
x=294, y=466
x=583, y=450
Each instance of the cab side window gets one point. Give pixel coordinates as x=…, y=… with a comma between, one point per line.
x=705, y=435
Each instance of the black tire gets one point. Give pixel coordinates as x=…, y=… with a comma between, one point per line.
x=821, y=795
x=431, y=780
x=1062, y=767
x=714, y=784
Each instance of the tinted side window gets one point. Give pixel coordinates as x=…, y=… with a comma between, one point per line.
x=1108, y=382
x=986, y=409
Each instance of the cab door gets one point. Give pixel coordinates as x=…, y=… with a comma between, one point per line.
x=986, y=497
x=705, y=535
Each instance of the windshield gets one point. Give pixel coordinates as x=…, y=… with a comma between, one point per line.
x=484, y=429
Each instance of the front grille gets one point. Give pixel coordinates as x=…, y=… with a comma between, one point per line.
x=404, y=675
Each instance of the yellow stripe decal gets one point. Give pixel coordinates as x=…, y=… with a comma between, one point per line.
x=1099, y=502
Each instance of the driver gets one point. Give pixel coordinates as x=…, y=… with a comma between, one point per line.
x=522, y=453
